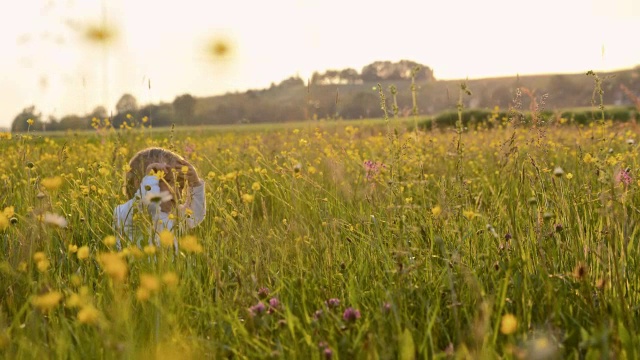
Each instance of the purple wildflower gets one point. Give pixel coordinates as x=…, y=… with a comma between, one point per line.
x=328, y=353
x=274, y=304
x=351, y=315
x=624, y=177
x=322, y=345
x=332, y=303
x=507, y=236
x=372, y=168
x=317, y=315
x=257, y=309
x=559, y=228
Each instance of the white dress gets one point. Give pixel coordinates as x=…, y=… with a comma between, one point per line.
x=153, y=219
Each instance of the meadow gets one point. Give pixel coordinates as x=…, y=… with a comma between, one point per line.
x=325, y=239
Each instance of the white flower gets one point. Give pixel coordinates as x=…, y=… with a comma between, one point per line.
x=55, y=219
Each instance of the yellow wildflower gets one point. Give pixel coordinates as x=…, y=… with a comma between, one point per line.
x=255, y=186
x=39, y=256
x=52, y=183
x=88, y=315
x=509, y=324
x=149, y=249
x=83, y=253
x=149, y=282
x=8, y=211
x=109, y=240
x=569, y=176
x=114, y=266
x=43, y=265
x=73, y=248
x=588, y=158
x=469, y=214
x=48, y=301
x=190, y=244
x=166, y=238
x=142, y=294
x=436, y=211
x=170, y=279
x=74, y=300
x=247, y=198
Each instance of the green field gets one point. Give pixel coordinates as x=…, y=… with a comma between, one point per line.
x=331, y=240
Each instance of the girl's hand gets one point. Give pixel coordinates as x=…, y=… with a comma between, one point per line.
x=191, y=174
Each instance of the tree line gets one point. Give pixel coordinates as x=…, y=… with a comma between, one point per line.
x=351, y=94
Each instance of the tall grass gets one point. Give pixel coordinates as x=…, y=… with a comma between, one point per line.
x=343, y=240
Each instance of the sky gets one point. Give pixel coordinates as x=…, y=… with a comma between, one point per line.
x=159, y=49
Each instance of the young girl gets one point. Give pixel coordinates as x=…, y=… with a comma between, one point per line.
x=154, y=184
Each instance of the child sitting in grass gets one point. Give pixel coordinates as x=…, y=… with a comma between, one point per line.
x=154, y=183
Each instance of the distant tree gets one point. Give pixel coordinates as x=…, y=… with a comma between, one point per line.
x=52, y=123
x=349, y=76
x=74, y=122
x=370, y=73
x=99, y=112
x=386, y=70
x=184, y=107
x=291, y=82
x=20, y=121
x=362, y=104
x=332, y=77
x=161, y=115
x=127, y=105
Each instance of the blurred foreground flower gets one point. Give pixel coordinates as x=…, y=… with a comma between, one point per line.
x=190, y=244
x=436, y=211
x=114, y=266
x=219, y=48
x=52, y=183
x=509, y=324
x=541, y=348
x=88, y=315
x=48, y=301
x=149, y=282
x=170, y=279
x=83, y=253
x=55, y=219
x=99, y=34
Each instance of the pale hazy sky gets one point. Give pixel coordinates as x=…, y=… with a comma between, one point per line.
x=45, y=62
